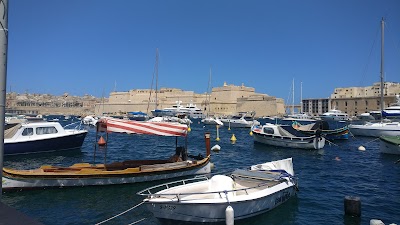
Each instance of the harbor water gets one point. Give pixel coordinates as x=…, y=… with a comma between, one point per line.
x=325, y=178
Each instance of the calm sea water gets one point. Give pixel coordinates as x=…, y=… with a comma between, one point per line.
x=325, y=178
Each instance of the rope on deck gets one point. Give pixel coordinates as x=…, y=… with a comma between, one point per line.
x=120, y=214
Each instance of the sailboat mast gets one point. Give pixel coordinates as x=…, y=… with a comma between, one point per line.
x=382, y=60
x=293, y=96
x=3, y=77
x=301, y=97
x=156, y=72
x=209, y=95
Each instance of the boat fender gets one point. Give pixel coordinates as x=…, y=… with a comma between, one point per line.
x=216, y=148
x=229, y=215
x=376, y=222
x=101, y=141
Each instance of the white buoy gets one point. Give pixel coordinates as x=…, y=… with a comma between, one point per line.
x=376, y=222
x=229, y=215
x=216, y=148
x=361, y=148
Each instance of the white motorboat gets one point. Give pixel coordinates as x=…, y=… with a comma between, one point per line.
x=249, y=192
x=335, y=115
x=390, y=144
x=240, y=120
x=212, y=121
x=276, y=135
x=35, y=137
x=90, y=120
x=375, y=129
x=393, y=110
x=190, y=110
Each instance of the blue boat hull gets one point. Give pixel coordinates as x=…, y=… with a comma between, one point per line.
x=69, y=142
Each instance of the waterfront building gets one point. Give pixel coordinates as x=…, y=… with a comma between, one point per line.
x=357, y=100
x=315, y=107
x=49, y=104
x=225, y=100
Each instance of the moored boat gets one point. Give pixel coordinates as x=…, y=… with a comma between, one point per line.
x=242, y=120
x=276, y=135
x=36, y=137
x=249, y=192
x=390, y=144
x=376, y=129
x=128, y=171
x=330, y=134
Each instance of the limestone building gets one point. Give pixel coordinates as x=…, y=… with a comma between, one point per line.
x=225, y=100
x=354, y=100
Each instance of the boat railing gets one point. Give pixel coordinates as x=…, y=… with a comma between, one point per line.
x=78, y=125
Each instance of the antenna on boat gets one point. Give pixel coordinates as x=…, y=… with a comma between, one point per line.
x=3, y=78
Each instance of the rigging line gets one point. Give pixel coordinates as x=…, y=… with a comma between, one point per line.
x=363, y=75
x=151, y=87
x=394, y=43
x=120, y=214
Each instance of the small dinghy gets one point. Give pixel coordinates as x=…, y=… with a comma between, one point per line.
x=201, y=199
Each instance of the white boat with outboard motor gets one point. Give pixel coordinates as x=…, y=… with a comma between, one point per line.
x=239, y=195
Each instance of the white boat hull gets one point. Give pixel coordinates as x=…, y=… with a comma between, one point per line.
x=215, y=211
x=389, y=147
x=375, y=129
x=304, y=143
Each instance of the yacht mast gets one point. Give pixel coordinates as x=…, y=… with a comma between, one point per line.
x=156, y=72
x=293, y=96
x=3, y=77
x=382, y=55
x=301, y=97
x=209, y=95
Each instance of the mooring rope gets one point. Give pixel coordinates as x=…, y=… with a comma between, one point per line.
x=120, y=214
x=371, y=141
x=137, y=221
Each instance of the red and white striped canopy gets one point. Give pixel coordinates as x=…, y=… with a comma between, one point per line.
x=141, y=127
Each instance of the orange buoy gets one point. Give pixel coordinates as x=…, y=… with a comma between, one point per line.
x=101, y=141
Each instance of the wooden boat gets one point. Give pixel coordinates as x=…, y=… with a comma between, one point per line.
x=390, y=144
x=129, y=171
x=276, y=135
x=323, y=126
x=249, y=192
x=36, y=137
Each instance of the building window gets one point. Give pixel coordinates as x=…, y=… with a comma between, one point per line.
x=355, y=103
x=366, y=102
x=345, y=103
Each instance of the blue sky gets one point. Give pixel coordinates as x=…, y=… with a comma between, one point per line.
x=93, y=46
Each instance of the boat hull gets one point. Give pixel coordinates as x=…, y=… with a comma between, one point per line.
x=61, y=143
x=390, y=145
x=239, y=123
x=375, y=130
x=215, y=212
x=304, y=143
x=89, y=177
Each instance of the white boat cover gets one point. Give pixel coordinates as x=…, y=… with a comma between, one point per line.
x=284, y=164
x=141, y=127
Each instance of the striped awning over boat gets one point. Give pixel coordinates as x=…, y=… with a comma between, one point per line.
x=141, y=127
